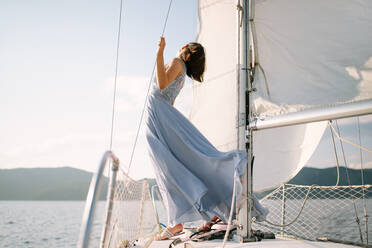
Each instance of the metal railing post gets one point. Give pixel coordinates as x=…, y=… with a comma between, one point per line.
x=110, y=202
x=92, y=197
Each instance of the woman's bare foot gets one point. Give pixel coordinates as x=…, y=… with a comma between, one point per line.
x=169, y=232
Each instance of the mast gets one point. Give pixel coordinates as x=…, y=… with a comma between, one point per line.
x=244, y=133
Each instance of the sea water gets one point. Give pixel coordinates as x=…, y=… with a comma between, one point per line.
x=40, y=223
x=57, y=223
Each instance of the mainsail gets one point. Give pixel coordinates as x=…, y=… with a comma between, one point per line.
x=306, y=54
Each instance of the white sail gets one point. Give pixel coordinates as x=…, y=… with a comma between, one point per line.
x=280, y=153
x=306, y=63
x=313, y=53
x=215, y=100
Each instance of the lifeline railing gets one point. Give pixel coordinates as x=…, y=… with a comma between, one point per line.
x=92, y=197
x=308, y=211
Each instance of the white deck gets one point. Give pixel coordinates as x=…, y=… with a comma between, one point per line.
x=277, y=243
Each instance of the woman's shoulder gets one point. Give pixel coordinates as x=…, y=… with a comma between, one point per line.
x=176, y=65
x=177, y=62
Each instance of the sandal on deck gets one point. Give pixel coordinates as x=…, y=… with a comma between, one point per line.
x=208, y=225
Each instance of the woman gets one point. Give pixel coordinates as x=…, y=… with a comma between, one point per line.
x=195, y=179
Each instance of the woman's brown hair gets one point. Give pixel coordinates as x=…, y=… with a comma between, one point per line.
x=194, y=58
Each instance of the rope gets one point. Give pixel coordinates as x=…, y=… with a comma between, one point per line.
x=348, y=179
x=335, y=151
x=295, y=219
x=350, y=142
x=343, y=153
x=265, y=79
x=115, y=88
x=147, y=94
x=362, y=176
x=303, y=204
x=308, y=192
x=155, y=208
x=231, y=211
x=116, y=76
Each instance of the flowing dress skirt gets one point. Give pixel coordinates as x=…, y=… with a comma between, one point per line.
x=195, y=179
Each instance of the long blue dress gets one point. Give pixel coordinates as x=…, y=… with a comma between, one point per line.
x=195, y=179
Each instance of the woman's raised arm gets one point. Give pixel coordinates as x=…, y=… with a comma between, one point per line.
x=166, y=75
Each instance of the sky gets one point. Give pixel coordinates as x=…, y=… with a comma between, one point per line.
x=57, y=66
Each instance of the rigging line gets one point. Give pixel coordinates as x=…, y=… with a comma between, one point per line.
x=115, y=87
x=233, y=201
x=335, y=151
x=155, y=208
x=362, y=176
x=298, y=215
x=265, y=79
x=147, y=94
x=116, y=76
x=360, y=151
x=348, y=179
x=350, y=142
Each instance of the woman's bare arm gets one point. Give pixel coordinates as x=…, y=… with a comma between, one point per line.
x=166, y=75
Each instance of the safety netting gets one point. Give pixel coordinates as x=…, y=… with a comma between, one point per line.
x=311, y=212
x=133, y=220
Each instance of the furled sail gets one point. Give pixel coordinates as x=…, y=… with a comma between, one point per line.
x=308, y=53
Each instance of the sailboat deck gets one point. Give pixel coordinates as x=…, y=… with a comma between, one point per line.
x=277, y=243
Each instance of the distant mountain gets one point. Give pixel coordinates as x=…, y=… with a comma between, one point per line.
x=328, y=176
x=72, y=184
x=61, y=184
